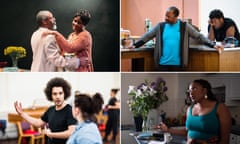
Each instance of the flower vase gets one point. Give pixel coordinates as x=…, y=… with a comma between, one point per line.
x=14, y=61
x=144, y=125
x=138, y=121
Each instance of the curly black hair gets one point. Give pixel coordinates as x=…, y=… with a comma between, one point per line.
x=216, y=13
x=84, y=16
x=57, y=82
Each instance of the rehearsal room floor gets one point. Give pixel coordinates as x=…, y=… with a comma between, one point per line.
x=14, y=141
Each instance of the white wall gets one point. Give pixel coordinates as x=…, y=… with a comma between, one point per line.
x=27, y=87
x=230, y=8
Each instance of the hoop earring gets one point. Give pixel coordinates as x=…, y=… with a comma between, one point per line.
x=205, y=96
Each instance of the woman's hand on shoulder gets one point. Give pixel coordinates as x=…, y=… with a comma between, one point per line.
x=49, y=32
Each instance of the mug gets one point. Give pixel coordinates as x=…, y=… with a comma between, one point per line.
x=167, y=137
x=126, y=42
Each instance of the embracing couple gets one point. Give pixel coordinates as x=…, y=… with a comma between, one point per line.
x=52, y=52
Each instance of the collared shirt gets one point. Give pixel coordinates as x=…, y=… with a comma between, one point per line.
x=46, y=53
x=85, y=133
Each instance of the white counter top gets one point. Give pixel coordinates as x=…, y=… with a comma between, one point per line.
x=207, y=48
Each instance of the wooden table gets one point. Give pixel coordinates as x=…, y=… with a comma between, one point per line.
x=38, y=112
x=201, y=58
x=34, y=112
x=138, y=59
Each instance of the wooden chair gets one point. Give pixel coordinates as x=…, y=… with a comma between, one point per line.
x=26, y=130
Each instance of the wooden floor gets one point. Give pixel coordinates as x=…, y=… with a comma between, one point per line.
x=14, y=141
x=109, y=137
x=10, y=141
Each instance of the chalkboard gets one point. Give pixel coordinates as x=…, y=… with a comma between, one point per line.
x=18, y=22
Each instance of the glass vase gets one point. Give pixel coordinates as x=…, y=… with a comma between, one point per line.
x=144, y=125
x=14, y=61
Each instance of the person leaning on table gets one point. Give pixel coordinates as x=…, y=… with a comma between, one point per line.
x=172, y=49
x=221, y=27
x=208, y=121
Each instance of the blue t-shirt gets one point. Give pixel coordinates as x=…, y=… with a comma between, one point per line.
x=85, y=133
x=171, y=44
x=203, y=127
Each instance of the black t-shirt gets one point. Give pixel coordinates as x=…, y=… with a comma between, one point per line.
x=220, y=34
x=113, y=112
x=58, y=121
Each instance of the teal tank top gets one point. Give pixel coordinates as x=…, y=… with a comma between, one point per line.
x=203, y=127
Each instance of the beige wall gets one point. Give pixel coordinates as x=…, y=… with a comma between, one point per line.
x=191, y=10
x=134, y=12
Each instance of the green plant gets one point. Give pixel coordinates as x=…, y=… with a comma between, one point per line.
x=147, y=96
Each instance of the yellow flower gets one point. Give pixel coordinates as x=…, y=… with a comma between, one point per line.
x=14, y=51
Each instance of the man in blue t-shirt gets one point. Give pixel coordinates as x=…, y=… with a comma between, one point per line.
x=172, y=39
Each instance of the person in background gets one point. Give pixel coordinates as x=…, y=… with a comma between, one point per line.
x=220, y=27
x=84, y=110
x=46, y=53
x=58, y=117
x=76, y=92
x=172, y=39
x=208, y=121
x=113, y=116
x=79, y=41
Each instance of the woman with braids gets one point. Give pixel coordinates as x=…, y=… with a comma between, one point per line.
x=79, y=41
x=208, y=121
x=84, y=110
